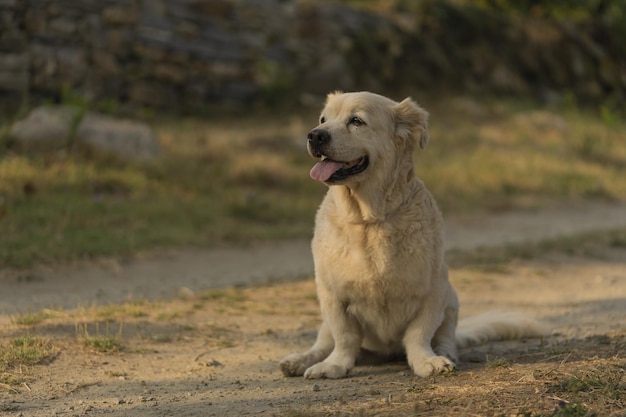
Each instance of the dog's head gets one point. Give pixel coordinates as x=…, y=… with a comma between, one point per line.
x=363, y=133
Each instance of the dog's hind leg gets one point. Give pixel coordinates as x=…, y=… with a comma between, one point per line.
x=418, y=338
x=296, y=363
x=444, y=341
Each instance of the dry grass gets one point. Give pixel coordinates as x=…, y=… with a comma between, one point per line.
x=241, y=179
x=490, y=157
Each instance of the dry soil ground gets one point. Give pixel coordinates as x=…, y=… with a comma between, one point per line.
x=216, y=353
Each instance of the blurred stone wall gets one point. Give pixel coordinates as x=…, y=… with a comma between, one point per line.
x=190, y=54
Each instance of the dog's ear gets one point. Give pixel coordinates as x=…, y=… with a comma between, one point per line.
x=411, y=122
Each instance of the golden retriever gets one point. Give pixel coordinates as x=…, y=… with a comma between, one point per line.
x=378, y=249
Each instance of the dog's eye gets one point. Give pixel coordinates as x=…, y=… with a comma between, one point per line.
x=356, y=121
x=322, y=120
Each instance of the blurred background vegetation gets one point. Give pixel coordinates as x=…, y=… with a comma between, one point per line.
x=526, y=101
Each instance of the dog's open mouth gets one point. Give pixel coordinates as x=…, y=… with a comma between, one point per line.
x=331, y=171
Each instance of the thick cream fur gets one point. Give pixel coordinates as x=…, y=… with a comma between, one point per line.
x=378, y=250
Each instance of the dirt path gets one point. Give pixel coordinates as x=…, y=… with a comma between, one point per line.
x=217, y=354
x=164, y=275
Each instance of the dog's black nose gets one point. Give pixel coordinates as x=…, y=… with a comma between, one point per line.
x=318, y=137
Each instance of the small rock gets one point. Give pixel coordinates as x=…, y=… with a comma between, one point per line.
x=185, y=293
x=59, y=128
x=126, y=139
x=214, y=363
x=45, y=128
x=316, y=388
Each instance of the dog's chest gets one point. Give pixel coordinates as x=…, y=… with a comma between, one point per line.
x=375, y=265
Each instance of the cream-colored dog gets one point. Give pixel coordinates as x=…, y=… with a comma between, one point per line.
x=378, y=250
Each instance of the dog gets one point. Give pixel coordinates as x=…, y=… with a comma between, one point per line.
x=378, y=247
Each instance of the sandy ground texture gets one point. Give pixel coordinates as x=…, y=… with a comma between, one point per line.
x=215, y=352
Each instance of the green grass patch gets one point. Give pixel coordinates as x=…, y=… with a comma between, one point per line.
x=498, y=363
x=592, y=245
x=169, y=316
x=31, y=319
x=22, y=352
x=231, y=297
x=608, y=382
x=572, y=409
x=133, y=309
x=236, y=181
x=105, y=344
x=105, y=341
x=26, y=350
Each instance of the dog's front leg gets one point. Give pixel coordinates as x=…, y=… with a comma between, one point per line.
x=297, y=363
x=348, y=336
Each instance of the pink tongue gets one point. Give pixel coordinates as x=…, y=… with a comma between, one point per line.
x=322, y=171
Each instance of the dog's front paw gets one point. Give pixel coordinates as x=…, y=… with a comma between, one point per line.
x=326, y=370
x=433, y=365
x=294, y=364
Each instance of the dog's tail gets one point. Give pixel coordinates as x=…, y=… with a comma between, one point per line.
x=497, y=326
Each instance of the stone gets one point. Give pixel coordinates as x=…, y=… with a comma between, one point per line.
x=175, y=53
x=187, y=30
x=35, y=21
x=72, y=66
x=240, y=92
x=227, y=69
x=45, y=128
x=14, y=62
x=60, y=128
x=122, y=138
x=13, y=42
x=14, y=74
x=63, y=26
x=152, y=94
x=105, y=62
x=117, y=40
x=14, y=80
x=169, y=73
x=150, y=51
x=119, y=15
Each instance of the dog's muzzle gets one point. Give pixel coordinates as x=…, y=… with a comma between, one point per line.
x=316, y=140
x=328, y=170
